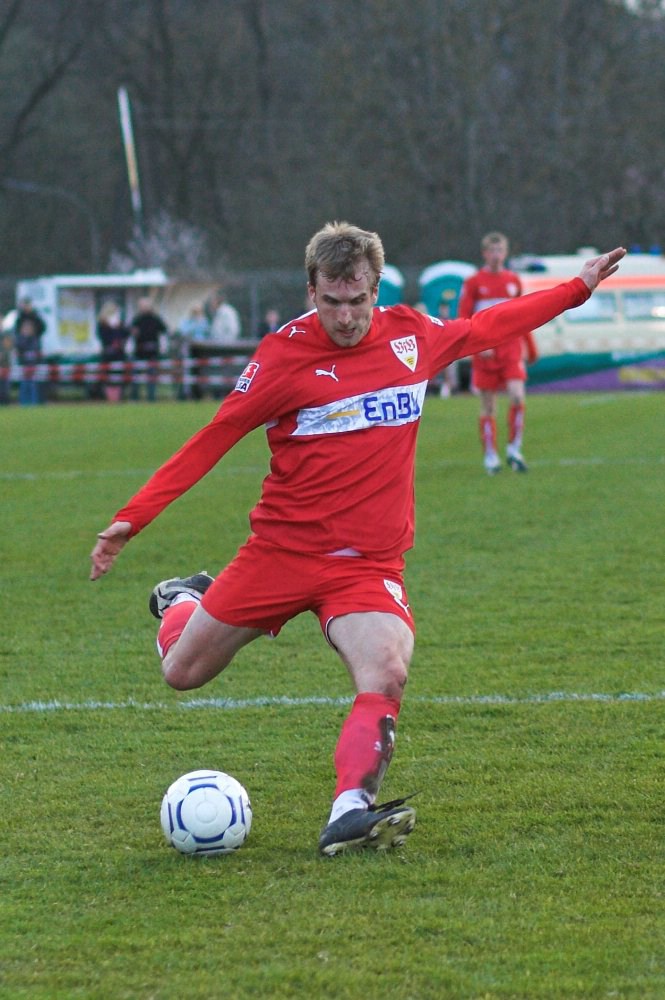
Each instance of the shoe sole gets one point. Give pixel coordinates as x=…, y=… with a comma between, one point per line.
x=386, y=833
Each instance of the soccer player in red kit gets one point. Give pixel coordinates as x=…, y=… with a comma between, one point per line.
x=502, y=367
x=340, y=390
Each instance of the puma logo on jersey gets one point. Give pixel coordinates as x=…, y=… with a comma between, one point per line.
x=330, y=374
x=296, y=329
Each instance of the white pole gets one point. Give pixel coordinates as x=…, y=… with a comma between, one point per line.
x=130, y=155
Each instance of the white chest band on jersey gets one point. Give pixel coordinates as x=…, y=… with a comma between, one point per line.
x=392, y=407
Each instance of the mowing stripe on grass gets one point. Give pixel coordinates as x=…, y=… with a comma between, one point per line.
x=242, y=470
x=270, y=702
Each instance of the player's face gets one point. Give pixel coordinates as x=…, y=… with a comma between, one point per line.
x=345, y=307
x=495, y=255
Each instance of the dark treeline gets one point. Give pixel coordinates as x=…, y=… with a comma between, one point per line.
x=257, y=120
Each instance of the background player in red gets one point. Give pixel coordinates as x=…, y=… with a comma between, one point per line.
x=340, y=391
x=503, y=367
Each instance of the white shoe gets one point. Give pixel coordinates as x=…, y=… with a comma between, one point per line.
x=492, y=465
x=515, y=460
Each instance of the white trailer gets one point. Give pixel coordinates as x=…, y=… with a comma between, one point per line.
x=69, y=304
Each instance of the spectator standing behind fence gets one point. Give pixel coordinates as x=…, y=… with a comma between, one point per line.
x=113, y=336
x=146, y=328
x=502, y=367
x=195, y=327
x=6, y=347
x=225, y=327
x=28, y=332
x=225, y=330
x=269, y=324
x=192, y=332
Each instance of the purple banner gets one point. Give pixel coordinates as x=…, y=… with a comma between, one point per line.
x=641, y=375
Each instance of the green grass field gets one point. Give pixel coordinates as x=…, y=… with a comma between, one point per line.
x=532, y=727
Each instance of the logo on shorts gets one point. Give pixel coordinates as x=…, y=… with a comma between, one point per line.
x=397, y=594
x=406, y=349
x=245, y=380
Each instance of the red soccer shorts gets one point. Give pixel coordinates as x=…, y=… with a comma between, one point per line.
x=265, y=586
x=491, y=373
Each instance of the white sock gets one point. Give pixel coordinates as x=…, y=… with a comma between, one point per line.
x=352, y=798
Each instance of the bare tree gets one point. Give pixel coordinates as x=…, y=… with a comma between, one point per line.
x=37, y=71
x=179, y=249
x=256, y=121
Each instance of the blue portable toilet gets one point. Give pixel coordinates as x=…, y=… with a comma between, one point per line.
x=443, y=281
x=391, y=286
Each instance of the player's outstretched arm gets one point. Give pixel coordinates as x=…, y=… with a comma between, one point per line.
x=598, y=268
x=109, y=543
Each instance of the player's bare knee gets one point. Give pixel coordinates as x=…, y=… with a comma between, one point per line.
x=399, y=683
x=186, y=672
x=395, y=676
x=181, y=676
x=176, y=678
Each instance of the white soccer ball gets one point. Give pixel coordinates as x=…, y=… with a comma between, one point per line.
x=206, y=812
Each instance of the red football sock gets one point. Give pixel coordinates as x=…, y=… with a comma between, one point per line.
x=173, y=624
x=515, y=424
x=366, y=743
x=488, y=435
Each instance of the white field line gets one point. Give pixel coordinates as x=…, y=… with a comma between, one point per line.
x=238, y=470
x=229, y=704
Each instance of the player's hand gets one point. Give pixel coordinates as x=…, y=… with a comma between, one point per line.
x=599, y=268
x=109, y=543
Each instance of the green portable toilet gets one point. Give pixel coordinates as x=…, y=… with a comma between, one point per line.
x=391, y=286
x=443, y=281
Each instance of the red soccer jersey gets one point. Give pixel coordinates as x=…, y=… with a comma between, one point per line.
x=486, y=288
x=341, y=423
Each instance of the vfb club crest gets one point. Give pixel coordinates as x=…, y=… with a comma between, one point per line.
x=406, y=349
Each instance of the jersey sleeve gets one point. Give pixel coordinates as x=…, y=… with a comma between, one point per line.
x=251, y=403
x=498, y=324
x=189, y=464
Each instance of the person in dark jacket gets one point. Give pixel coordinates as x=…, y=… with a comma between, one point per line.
x=113, y=336
x=146, y=329
x=28, y=332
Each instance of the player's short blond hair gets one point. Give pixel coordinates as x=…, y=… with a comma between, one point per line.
x=337, y=250
x=491, y=240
